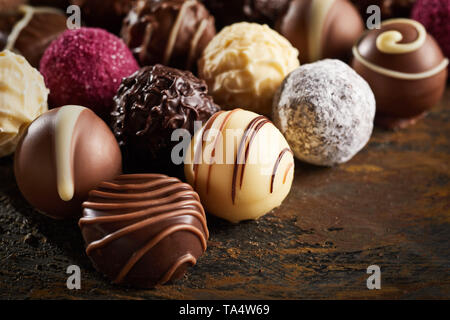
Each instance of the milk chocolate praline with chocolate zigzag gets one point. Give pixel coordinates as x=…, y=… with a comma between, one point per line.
x=170, y=32
x=144, y=229
x=405, y=68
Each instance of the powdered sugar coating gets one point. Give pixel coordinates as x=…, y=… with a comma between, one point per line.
x=85, y=67
x=326, y=112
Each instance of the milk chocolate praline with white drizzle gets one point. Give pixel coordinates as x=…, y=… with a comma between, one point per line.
x=63, y=155
x=170, y=32
x=144, y=229
x=405, y=68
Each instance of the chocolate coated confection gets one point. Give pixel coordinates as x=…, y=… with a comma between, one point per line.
x=107, y=14
x=405, y=69
x=63, y=155
x=144, y=230
x=321, y=28
x=149, y=106
x=34, y=31
x=171, y=32
x=240, y=164
x=389, y=8
x=228, y=12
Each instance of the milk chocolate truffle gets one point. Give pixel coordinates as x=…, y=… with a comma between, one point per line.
x=107, y=14
x=326, y=111
x=144, y=230
x=240, y=164
x=405, y=68
x=63, y=155
x=321, y=28
x=149, y=106
x=244, y=65
x=170, y=32
x=228, y=12
x=34, y=31
x=23, y=97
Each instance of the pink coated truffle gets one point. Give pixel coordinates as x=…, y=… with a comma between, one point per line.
x=85, y=67
x=435, y=16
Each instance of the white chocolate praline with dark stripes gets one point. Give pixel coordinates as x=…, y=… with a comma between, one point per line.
x=144, y=229
x=240, y=164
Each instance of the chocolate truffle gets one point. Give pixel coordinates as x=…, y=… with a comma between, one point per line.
x=23, y=97
x=62, y=155
x=85, y=67
x=107, y=14
x=389, y=8
x=171, y=32
x=34, y=31
x=326, y=111
x=144, y=229
x=435, y=17
x=321, y=28
x=244, y=65
x=240, y=164
x=228, y=12
x=149, y=106
x=405, y=68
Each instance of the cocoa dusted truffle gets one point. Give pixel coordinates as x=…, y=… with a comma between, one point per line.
x=33, y=32
x=170, y=32
x=149, y=106
x=107, y=14
x=62, y=155
x=321, y=28
x=144, y=230
x=405, y=68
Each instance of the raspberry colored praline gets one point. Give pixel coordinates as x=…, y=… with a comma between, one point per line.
x=85, y=67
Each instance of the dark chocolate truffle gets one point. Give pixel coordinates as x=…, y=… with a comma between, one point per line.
x=321, y=28
x=389, y=8
x=149, y=106
x=64, y=154
x=107, y=14
x=144, y=230
x=171, y=32
x=33, y=32
x=405, y=68
x=259, y=11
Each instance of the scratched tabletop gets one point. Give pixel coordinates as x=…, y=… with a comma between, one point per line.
x=389, y=206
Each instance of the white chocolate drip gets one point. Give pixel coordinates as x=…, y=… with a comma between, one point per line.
x=318, y=15
x=66, y=120
x=28, y=13
x=388, y=42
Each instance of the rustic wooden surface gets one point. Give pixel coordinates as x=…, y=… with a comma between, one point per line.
x=389, y=206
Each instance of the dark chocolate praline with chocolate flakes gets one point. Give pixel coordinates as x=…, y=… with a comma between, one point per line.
x=149, y=106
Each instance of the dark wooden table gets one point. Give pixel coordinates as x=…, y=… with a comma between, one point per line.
x=389, y=206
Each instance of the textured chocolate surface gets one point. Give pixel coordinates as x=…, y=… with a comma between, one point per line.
x=171, y=32
x=144, y=230
x=149, y=106
x=231, y=11
x=94, y=156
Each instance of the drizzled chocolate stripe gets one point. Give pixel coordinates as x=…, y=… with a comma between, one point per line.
x=277, y=164
x=136, y=203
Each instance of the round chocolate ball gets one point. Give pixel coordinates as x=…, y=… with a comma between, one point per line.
x=171, y=32
x=240, y=164
x=144, y=230
x=85, y=67
x=106, y=14
x=149, y=106
x=321, y=28
x=405, y=68
x=326, y=111
x=62, y=155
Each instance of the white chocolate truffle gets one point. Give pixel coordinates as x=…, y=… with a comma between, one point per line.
x=326, y=112
x=245, y=64
x=23, y=97
x=240, y=164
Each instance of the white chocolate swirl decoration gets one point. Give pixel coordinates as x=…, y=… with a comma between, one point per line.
x=66, y=120
x=388, y=41
x=131, y=204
